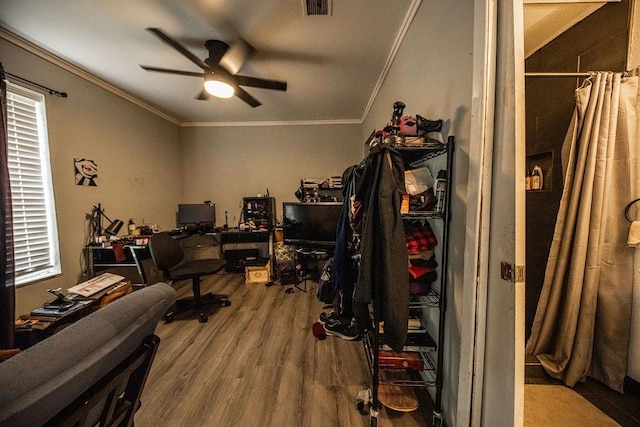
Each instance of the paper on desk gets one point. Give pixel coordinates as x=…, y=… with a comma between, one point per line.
x=95, y=285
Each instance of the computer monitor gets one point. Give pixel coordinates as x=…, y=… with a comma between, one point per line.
x=311, y=225
x=199, y=216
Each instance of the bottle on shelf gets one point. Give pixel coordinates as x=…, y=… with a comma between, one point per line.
x=131, y=226
x=441, y=189
x=527, y=181
x=404, y=207
x=536, y=178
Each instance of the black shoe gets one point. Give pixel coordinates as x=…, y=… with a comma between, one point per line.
x=332, y=317
x=347, y=332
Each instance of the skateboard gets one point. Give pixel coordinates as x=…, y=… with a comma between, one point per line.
x=398, y=398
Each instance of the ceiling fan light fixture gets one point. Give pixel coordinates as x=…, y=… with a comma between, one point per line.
x=217, y=87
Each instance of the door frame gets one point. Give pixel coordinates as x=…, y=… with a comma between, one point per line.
x=491, y=379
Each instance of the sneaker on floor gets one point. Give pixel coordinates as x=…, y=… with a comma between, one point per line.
x=331, y=317
x=347, y=331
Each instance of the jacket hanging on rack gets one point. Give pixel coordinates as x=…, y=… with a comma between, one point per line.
x=343, y=271
x=382, y=277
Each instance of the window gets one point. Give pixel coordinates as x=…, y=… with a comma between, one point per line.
x=34, y=221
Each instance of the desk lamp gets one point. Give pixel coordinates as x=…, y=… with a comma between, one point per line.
x=112, y=229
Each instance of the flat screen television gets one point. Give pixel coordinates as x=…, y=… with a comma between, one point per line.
x=310, y=225
x=198, y=216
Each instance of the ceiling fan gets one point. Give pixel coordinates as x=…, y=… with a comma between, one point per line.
x=220, y=68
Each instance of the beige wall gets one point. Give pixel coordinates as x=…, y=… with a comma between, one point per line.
x=136, y=152
x=225, y=164
x=432, y=76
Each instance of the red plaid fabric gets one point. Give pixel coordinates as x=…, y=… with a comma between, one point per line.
x=420, y=238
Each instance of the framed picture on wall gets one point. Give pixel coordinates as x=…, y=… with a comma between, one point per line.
x=86, y=172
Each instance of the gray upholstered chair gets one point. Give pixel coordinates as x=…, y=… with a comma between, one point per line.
x=93, y=371
x=169, y=258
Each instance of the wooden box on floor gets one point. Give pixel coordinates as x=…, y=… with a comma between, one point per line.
x=257, y=274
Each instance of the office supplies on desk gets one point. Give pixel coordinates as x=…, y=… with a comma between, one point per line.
x=61, y=303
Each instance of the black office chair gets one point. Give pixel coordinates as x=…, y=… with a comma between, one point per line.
x=169, y=258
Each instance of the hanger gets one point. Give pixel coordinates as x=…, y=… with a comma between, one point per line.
x=626, y=210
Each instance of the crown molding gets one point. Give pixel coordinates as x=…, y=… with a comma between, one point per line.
x=55, y=60
x=273, y=123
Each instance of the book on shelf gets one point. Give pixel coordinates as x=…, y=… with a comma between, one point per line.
x=414, y=325
x=415, y=342
x=96, y=284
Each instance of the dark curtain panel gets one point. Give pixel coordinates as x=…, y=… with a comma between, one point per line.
x=7, y=289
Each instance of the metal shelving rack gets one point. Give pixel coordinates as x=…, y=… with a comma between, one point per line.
x=432, y=374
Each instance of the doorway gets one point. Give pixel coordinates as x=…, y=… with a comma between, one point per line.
x=549, y=105
x=587, y=45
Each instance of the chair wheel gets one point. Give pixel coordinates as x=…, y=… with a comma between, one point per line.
x=203, y=318
x=168, y=318
x=226, y=303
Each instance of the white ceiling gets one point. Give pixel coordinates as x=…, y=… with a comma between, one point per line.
x=333, y=64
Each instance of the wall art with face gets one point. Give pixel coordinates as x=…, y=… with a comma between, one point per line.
x=86, y=172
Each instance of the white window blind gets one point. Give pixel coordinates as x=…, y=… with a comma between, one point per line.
x=34, y=223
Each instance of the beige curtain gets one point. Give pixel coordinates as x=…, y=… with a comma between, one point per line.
x=582, y=323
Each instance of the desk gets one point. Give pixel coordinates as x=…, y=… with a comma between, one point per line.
x=235, y=237
x=200, y=245
x=101, y=259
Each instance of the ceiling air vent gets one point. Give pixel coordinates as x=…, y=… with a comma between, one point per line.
x=316, y=7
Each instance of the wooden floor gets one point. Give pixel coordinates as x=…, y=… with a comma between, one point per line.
x=256, y=363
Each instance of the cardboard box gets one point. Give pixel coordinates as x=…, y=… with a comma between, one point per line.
x=257, y=275
x=400, y=360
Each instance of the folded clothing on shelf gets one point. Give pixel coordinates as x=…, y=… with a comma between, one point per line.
x=420, y=238
x=419, y=288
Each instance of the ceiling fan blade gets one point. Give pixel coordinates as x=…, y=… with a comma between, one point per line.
x=170, y=71
x=242, y=94
x=236, y=56
x=177, y=46
x=261, y=83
